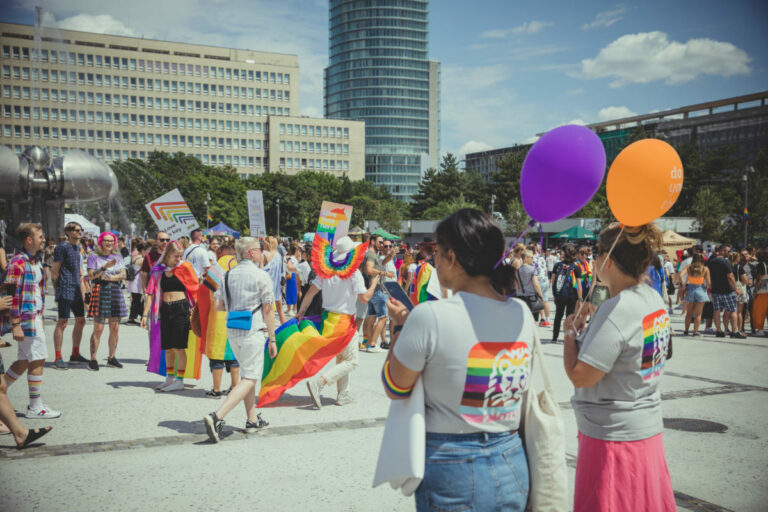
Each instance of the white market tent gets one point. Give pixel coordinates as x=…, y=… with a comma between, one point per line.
x=88, y=226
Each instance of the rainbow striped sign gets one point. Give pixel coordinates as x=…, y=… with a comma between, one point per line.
x=171, y=214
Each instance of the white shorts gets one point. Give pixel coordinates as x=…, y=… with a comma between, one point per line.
x=546, y=290
x=249, y=352
x=33, y=347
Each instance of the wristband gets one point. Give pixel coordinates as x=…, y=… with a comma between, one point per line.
x=390, y=385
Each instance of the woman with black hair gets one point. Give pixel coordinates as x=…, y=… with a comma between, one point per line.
x=473, y=354
x=616, y=366
x=566, y=287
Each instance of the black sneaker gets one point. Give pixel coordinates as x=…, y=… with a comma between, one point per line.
x=253, y=426
x=738, y=336
x=719, y=335
x=384, y=345
x=131, y=321
x=112, y=362
x=93, y=365
x=78, y=359
x=214, y=394
x=213, y=426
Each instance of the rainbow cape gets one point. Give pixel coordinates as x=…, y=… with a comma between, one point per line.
x=156, y=363
x=324, y=264
x=302, y=351
x=421, y=277
x=212, y=322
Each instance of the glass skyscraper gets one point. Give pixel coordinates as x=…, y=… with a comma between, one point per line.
x=379, y=72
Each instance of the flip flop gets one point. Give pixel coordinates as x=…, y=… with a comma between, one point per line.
x=33, y=435
x=4, y=344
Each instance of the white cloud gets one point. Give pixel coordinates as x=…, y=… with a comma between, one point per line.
x=574, y=92
x=649, y=56
x=100, y=23
x=529, y=27
x=605, y=18
x=474, y=146
x=610, y=113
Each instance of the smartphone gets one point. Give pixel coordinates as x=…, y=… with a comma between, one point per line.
x=395, y=291
x=9, y=288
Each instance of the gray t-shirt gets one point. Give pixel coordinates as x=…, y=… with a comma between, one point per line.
x=525, y=275
x=475, y=357
x=627, y=339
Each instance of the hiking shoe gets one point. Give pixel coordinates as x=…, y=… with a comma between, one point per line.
x=213, y=426
x=214, y=394
x=313, y=385
x=177, y=385
x=112, y=362
x=60, y=364
x=253, y=426
x=345, y=399
x=719, y=334
x=43, y=412
x=78, y=359
x=93, y=365
x=738, y=336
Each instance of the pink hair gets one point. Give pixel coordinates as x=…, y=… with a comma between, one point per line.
x=106, y=234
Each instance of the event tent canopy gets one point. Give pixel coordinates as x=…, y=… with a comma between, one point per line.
x=576, y=233
x=385, y=235
x=223, y=229
x=673, y=242
x=88, y=226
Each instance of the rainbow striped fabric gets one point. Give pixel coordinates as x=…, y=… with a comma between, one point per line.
x=497, y=375
x=324, y=264
x=655, y=344
x=421, y=277
x=212, y=322
x=302, y=351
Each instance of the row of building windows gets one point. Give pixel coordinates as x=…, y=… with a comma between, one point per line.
x=291, y=146
x=172, y=86
x=91, y=117
x=313, y=131
x=144, y=65
x=314, y=163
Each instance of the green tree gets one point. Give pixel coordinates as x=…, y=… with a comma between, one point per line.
x=516, y=218
x=709, y=210
x=505, y=184
x=445, y=208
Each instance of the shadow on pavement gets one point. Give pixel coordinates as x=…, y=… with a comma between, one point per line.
x=184, y=427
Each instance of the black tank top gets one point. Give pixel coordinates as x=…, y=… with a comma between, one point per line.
x=171, y=284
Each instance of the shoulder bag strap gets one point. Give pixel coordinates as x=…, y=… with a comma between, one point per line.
x=539, y=355
x=226, y=288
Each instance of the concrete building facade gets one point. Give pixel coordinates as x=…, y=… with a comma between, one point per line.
x=379, y=72
x=123, y=97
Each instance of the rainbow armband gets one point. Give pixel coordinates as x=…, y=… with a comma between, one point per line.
x=390, y=385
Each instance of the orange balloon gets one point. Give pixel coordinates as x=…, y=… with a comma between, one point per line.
x=644, y=182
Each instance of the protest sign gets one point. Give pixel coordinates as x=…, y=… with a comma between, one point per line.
x=256, y=213
x=334, y=220
x=172, y=215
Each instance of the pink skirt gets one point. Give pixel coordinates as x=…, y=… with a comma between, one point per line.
x=619, y=476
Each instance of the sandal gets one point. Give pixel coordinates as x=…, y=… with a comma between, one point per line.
x=4, y=344
x=214, y=394
x=33, y=435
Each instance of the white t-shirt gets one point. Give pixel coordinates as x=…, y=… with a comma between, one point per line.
x=197, y=255
x=303, y=269
x=475, y=357
x=390, y=267
x=340, y=295
x=627, y=338
x=212, y=257
x=411, y=269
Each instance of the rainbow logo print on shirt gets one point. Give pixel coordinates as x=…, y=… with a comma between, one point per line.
x=497, y=375
x=655, y=344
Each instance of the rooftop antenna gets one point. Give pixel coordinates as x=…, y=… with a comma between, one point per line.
x=38, y=16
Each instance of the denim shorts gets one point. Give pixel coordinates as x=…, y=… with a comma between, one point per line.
x=377, y=306
x=220, y=364
x=474, y=472
x=696, y=293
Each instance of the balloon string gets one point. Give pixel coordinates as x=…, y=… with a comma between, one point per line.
x=512, y=246
x=607, y=255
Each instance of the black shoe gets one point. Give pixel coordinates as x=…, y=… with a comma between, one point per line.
x=720, y=335
x=112, y=362
x=253, y=426
x=213, y=426
x=738, y=336
x=131, y=322
x=214, y=394
x=93, y=365
x=384, y=345
x=78, y=359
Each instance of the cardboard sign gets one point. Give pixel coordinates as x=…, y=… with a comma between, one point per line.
x=334, y=220
x=172, y=215
x=256, y=213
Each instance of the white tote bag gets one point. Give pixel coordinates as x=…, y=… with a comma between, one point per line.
x=544, y=438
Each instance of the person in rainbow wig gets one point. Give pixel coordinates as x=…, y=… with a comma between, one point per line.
x=341, y=283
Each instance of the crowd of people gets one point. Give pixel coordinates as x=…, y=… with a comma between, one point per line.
x=471, y=343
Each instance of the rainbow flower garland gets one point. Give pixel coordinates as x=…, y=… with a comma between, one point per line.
x=326, y=267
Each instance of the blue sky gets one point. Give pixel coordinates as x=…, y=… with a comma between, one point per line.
x=510, y=69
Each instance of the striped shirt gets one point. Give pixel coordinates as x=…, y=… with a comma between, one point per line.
x=29, y=299
x=249, y=287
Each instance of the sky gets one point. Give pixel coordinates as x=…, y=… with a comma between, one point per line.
x=509, y=69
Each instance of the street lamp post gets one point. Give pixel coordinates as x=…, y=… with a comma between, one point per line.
x=278, y=216
x=747, y=170
x=207, y=214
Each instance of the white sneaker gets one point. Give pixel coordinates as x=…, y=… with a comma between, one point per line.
x=376, y=350
x=44, y=412
x=177, y=385
x=345, y=399
x=164, y=384
x=314, y=387
x=709, y=330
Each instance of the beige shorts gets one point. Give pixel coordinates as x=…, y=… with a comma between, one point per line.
x=249, y=352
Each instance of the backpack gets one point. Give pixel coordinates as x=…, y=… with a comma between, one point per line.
x=564, y=289
x=130, y=273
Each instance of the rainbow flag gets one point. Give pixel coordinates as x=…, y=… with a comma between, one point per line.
x=746, y=214
x=213, y=323
x=302, y=351
x=421, y=277
x=210, y=219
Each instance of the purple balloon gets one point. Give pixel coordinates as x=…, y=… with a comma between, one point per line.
x=562, y=172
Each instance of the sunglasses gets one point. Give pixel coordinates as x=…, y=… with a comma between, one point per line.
x=163, y=240
x=387, y=246
x=78, y=230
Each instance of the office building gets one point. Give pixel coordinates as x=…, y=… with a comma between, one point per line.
x=378, y=71
x=486, y=162
x=123, y=97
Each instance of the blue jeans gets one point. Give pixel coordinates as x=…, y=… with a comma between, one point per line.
x=474, y=472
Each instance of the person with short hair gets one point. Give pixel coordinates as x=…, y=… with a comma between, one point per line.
x=197, y=254
x=134, y=287
x=26, y=280
x=213, y=248
x=153, y=256
x=725, y=293
x=376, y=319
x=246, y=288
x=616, y=365
x=273, y=265
x=566, y=287
x=69, y=294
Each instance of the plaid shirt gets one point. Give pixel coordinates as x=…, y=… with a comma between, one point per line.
x=69, y=272
x=21, y=274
